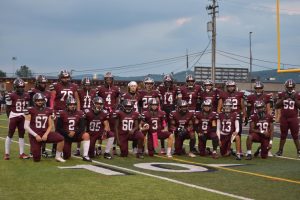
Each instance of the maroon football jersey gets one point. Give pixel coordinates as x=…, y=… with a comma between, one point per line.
x=228, y=122
x=144, y=98
x=86, y=97
x=289, y=108
x=109, y=95
x=236, y=98
x=167, y=97
x=71, y=120
x=263, y=124
x=126, y=121
x=63, y=92
x=181, y=120
x=253, y=98
x=205, y=121
x=134, y=99
x=190, y=95
x=39, y=119
x=17, y=103
x=95, y=121
x=212, y=95
x=46, y=93
x=156, y=120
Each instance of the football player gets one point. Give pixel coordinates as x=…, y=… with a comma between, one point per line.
x=40, y=87
x=147, y=94
x=154, y=122
x=167, y=92
x=289, y=103
x=205, y=125
x=228, y=129
x=60, y=92
x=237, y=101
x=16, y=104
x=182, y=125
x=38, y=123
x=261, y=130
x=71, y=125
x=210, y=93
x=86, y=95
x=127, y=128
x=111, y=95
x=98, y=127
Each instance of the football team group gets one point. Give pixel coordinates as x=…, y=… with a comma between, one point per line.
x=147, y=116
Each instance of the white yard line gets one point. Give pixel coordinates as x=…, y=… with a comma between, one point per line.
x=164, y=178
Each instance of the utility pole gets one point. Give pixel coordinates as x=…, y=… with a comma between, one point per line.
x=187, y=62
x=213, y=10
x=250, y=73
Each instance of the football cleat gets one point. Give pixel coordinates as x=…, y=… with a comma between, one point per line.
x=162, y=151
x=232, y=152
x=77, y=153
x=107, y=156
x=208, y=151
x=140, y=155
x=6, y=157
x=192, y=155
x=238, y=157
x=214, y=155
x=24, y=156
x=194, y=151
x=270, y=154
x=99, y=151
x=257, y=152
x=60, y=159
x=278, y=153
x=298, y=153
x=114, y=151
x=45, y=154
x=30, y=155
x=249, y=157
x=87, y=159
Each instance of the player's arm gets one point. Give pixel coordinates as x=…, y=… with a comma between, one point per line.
x=76, y=96
x=81, y=126
x=29, y=130
x=52, y=98
x=106, y=126
x=135, y=127
x=243, y=107
x=253, y=129
x=220, y=105
x=218, y=129
x=45, y=136
x=8, y=102
x=117, y=121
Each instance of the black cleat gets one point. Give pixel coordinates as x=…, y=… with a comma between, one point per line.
x=249, y=157
x=45, y=154
x=278, y=153
x=257, y=152
x=99, y=151
x=77, y=153
x=107, y=156
x=232, y=152
x=87, y=159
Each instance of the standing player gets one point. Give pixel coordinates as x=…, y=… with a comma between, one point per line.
x=182, y=125
x=16, y=104
x=60, y=92
x=132, y=94
x=38, y=123
x=289, y=103
x=147, y=94
x=261, y=130
x=167, y=91
x=228, y=129
x=154, y=122
x=210, y=93
x=111, y=96
x=40, y=87
x=98, y=127
x=237, y=101
x=127, y=128
x=71, y=125
x=206, y=123
x=86, y=95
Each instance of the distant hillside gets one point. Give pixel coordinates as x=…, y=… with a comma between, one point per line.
x=264, y=76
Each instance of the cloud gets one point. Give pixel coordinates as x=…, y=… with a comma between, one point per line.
x=183, y=20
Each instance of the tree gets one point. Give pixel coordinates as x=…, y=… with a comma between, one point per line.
x=2, y=73
x=24, y=71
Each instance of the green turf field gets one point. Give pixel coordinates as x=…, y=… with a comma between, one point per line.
x=274, y=178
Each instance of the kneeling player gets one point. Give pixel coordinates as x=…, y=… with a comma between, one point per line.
x=70, y=124
x=126, y=128
x=154, y=121
x=261, y=130
x=206, y=122
x=227, y=130
x=98, y=127
x=38, y=122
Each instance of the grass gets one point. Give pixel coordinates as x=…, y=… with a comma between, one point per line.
x=273, y=178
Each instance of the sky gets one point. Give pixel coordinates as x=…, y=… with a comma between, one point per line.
x=139, y=37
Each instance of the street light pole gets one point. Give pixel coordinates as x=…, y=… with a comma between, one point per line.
x=250, y=73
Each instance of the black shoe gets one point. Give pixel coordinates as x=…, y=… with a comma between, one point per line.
x=45, y=154
x=99, y=151
x=194, y=151
x=232, y=152
x=257, y=152
x=238, y=157
x=77, y=153
x=298, y=152
x=208, y=151
x=87, y=159
x=249, y=157
x=278, y=153
x=107, y=156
